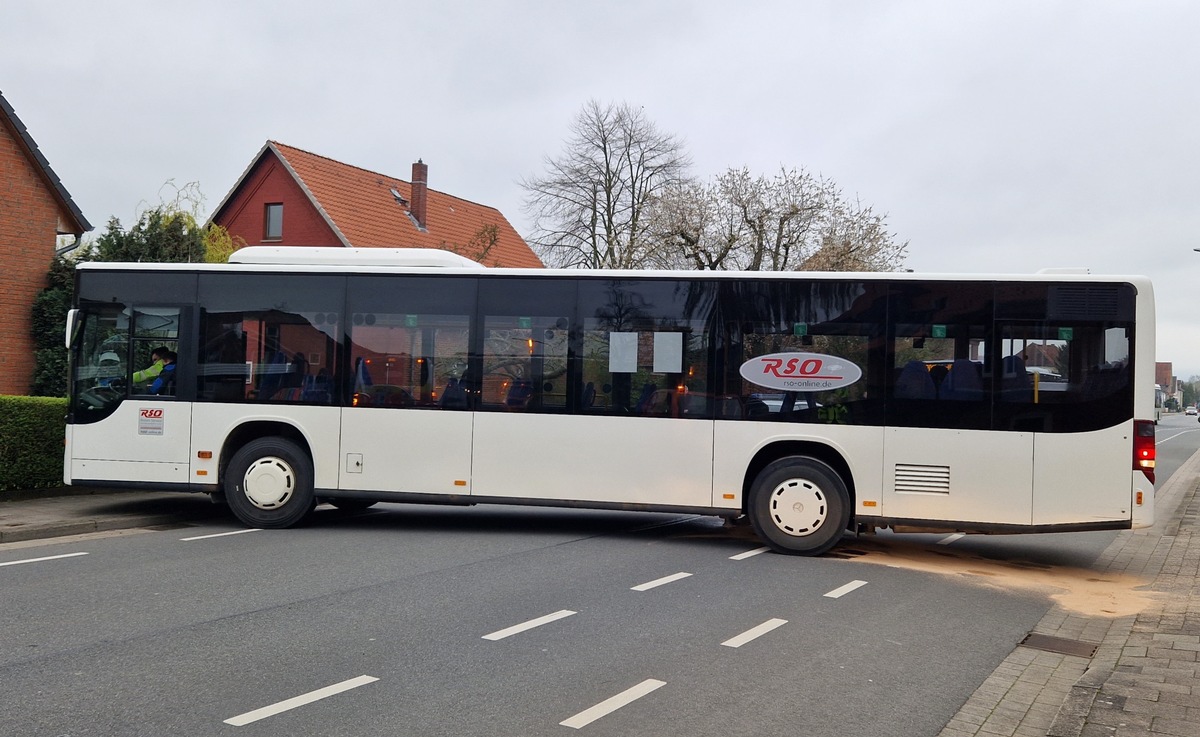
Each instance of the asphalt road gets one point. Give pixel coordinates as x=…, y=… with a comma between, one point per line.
x=1176, y=437
x=412, y=620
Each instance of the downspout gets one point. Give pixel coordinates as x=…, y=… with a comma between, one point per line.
x=70, y=247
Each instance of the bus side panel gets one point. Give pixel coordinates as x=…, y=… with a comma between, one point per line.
x=958, y=475
x=144, y=440
x=638, y=460
x=1083, y=477
x=736, y=444
x=412, y=450
x=214, y=422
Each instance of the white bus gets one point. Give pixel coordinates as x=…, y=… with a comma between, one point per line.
x=812, y=403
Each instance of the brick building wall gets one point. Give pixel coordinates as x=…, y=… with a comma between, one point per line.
x=1163, y=375
x=29, y=218
x=271, y=183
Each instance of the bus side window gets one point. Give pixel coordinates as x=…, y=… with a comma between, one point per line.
x=409, y=360
x=154, y=328
x=267, y=337
x=525, y=363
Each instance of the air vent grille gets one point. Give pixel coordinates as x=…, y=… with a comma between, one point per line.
x=922, y=479
x=1085, y=302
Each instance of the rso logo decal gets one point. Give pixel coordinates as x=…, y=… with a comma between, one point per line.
x=150, y=421
x=800, y=372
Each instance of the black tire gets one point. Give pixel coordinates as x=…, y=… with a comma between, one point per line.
x=351, y=505
x=269, y=484
x=799, y=506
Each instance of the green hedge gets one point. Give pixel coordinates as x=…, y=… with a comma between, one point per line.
x=31, y=442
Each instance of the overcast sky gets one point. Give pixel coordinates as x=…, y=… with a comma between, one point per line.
x=998, y=135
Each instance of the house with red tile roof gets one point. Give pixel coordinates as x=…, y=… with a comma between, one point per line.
x=35, y=208
x=291, y=197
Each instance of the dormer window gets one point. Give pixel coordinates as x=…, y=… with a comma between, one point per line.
x=273, y=222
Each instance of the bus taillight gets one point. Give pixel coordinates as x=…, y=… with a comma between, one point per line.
x=1143, y=447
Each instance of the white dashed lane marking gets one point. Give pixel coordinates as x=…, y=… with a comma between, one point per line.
x=218, y=534
x=841, y=591
x=39, y=560
x=518, y=628
x=659, y=581
x=608, y=706
x=242, y=720
x=748, y=554
x=754, y=633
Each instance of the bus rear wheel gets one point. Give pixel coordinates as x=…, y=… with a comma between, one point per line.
x=799, y=506
x=269, y=484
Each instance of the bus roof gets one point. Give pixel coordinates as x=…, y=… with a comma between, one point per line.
x=312, y=256
x=309, y=259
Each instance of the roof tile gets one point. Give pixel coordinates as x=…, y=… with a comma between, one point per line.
x=361, y=205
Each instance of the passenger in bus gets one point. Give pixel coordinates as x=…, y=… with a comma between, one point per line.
x=164, y=383
x=453, y=396
x=158, y=356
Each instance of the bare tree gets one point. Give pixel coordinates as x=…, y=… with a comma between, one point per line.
x=779, y=215
x=479, y=247
x=697, y=226
x=791, y=221
x=855, y=238
x=590, y=206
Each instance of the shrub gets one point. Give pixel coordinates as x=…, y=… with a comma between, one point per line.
x=31, y=442
x=49, y=325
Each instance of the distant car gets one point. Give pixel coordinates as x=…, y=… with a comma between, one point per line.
x=1190, y=411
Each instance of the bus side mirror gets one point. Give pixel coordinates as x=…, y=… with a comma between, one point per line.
x=72, y=317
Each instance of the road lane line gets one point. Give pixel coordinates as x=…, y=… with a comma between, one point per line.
x=748, y=554
x=841, y=591
x=218, y=534
x=518, y=628
x=242, y=720
x=951, y=538
x=754, y=633
x=39, y=560
x=1163, y=440
x=608, y=706
x=659, y=581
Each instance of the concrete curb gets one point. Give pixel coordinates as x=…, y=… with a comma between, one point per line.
x=83, y=527
x=44, y=515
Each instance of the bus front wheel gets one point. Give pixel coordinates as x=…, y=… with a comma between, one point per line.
x=269, y=484
x=799, y=506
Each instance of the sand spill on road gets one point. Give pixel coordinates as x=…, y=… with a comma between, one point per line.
x=1079, y=590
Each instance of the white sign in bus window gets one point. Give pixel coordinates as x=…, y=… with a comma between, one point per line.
x=668, y=353
x=622, y=353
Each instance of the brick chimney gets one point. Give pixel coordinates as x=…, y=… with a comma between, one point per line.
x=420, y=180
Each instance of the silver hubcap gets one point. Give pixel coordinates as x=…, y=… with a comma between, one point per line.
x=269, y=483
x=799, y=507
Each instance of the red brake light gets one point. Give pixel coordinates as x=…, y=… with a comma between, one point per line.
x=1143, y=447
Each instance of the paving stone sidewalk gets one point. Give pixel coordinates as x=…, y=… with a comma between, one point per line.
x=1144, y=678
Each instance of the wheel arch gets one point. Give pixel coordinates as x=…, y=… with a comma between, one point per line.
x=253, y=430
x=785, y=448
